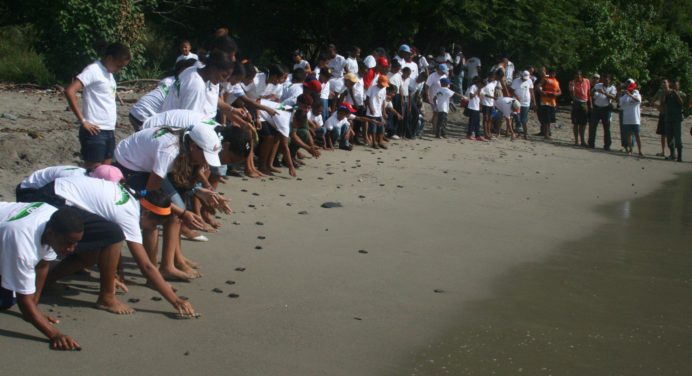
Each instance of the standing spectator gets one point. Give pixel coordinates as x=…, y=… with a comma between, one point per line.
x=549, y=90
x=661, y=124
x=675, y=102
x=602, y=94
x=580, y=90
x=300, y=62
x=522, y=88
x=186, y=51
x=473, y=108
x=487, y=94
x=98, y=113
x=473, y=67
x=337, y=63
x=630, y=102
x=458, y=70
x=352, y=60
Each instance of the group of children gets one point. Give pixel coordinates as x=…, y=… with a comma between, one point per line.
x=216, y=110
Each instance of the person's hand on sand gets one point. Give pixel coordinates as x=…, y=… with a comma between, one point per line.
x=214, y=200
x=292, y=172
x=185, y=309
x=63, y=342
x=193, y=220
x=315, y=152
x=90, y=128
x=120, y=285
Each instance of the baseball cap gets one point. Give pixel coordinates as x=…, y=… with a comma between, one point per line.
x=596, y=75
x=107, y=172
x=443, y=67
x=631, y=85
x=351, y=77
x=369, y=61
x=445, y=81
x=516, y=105
x=525, y=74
x=383, y=80
x=345, y=106
x=313, y=85
x=404, y=48
x=383, y=61
x=206, y=138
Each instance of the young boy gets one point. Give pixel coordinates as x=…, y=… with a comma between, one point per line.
x=98, y=114
x=507, y=107
x=186, y=52
x=339, y=125
x=396, y=81
x=487, y=95
x=375, y=98
x=31, y=235
x=444, y=94
x=630, y=102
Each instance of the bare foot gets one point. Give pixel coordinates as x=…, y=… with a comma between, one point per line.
x=274, y=170
x=114, y=305
x=192, y=264
x=174, y=275
x=192, y=273
x=253, y=174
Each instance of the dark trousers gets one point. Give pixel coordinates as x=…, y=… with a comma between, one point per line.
x=414, y=116
x=674, y=134
x=441, y=128
x=600, y=114
x=474, y=123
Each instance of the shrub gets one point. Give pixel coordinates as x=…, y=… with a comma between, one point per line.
x=19, y=62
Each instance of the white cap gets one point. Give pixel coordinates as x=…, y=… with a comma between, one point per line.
x=206, y=138
x=369, y=61
x=515, y=105
x=525, y=74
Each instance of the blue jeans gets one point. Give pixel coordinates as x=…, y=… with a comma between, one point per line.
x=474, y=127
x=524, y=117
x=339, y=134
x=325, y=109
x=137, y=180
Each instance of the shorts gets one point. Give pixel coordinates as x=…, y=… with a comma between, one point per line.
x=137, y=180
x=136, y=123
x=580, y=113
x=375, y=128
x=661, y=125
x=98, y=232
x=546, y=114
x=486, y=110
x=219, y=170
x=268, y=130
x=631, y=128
x=98, y=147
x=7, y=299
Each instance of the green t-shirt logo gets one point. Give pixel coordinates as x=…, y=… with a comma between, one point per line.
x=124, y=196
x=26, y=211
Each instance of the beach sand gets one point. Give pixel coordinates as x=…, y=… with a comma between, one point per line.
x=440, y=223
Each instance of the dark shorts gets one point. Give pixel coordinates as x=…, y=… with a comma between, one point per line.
x=98, y=232
x=375, y=128
x=486, y=110
x=580, y=113
x=268, y=130
x=546, y=114
x=661, y=125
x=137, y=180
x=7, y=299
x=136, y=123
x=96, y=148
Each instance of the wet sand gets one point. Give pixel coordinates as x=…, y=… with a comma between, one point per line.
x=616, y=302
x=447, y=228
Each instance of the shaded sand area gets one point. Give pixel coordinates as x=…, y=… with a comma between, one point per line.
x=444, y=254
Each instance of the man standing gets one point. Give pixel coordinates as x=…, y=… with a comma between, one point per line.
x=674, y=104
x=602, y=94
x=522, y=89
x=549, y=91
x=580, y=90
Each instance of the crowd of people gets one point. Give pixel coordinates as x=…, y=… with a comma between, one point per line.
x=216, y=110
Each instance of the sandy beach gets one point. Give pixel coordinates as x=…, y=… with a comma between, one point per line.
x=426, y=231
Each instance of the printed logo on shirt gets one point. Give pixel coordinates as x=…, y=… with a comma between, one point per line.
x=124, y=196
x=164, y=89
x=209, y=122
x=26, y=211
x=161, y=132
x=113, y=91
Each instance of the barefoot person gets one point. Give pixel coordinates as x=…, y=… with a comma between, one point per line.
x=98, y=115
x=31, y=235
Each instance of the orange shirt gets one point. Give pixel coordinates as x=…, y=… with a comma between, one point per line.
x=581, y=90
x=550, y=86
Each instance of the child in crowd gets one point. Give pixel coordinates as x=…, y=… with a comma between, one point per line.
x=324, y=78
x=299, y=62
x=186, y=52
x=444, y=94
x=375, y=98
x=98, y=114
x=630, y=102
x=487, y=94
x=473, y=109
x=300, y=129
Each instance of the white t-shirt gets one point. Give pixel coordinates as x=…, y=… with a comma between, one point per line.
x=395, y=80
x=375, y=97
x=317, y=119
x=291, y=93
x=334, y=122
x=255, y=90
x=351, y=65
x=326, y=89
x=504, y=104
x=412, y=66
x=433, y=83
x=150, y=104
x=631, y=108
x=98, y=97
x=442, y=99
x=21, y=227
x=194, y=94
x=40, y=178
x=510, y=71
x=443, y=58
x=181, y=119
x=190, y=55
x=523, y=90
x=404, y=87
x=358, y=94
x=475, y=102
x=337, y=64
x=149, y=150
x=105, y=198
x=302, y=65
x=276, y=90
x=234, y=92
x=473, y=66
x=423, y=63
x=487, y=92
x=601, y=100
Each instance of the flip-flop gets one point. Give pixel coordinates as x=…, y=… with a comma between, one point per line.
x=198, y=238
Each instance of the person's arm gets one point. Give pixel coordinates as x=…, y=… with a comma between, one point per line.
x=71, y=95
x=189, y=218
x=152, y=274
x=368, y=103
x=257, y=105
x=295, y=138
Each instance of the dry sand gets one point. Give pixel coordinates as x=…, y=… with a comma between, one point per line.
x=451, y=216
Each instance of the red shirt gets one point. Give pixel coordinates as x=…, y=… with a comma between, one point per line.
x=367, y=79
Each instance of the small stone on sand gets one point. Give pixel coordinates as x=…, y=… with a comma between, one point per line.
x=330, y=205
x=240, y=269
x=216, y=290
x=233, y=295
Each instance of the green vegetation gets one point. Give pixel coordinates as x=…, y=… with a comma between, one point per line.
x=645, y=40
x=18, y=61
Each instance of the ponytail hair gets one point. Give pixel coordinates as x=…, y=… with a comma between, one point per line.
x=117, y=51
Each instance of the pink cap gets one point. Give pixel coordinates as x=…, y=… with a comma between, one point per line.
x=107, y=172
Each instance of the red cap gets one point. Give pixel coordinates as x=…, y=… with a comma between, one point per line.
x=313, y=85
x=631, y=86
x=382, y=61
x=348, y=107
